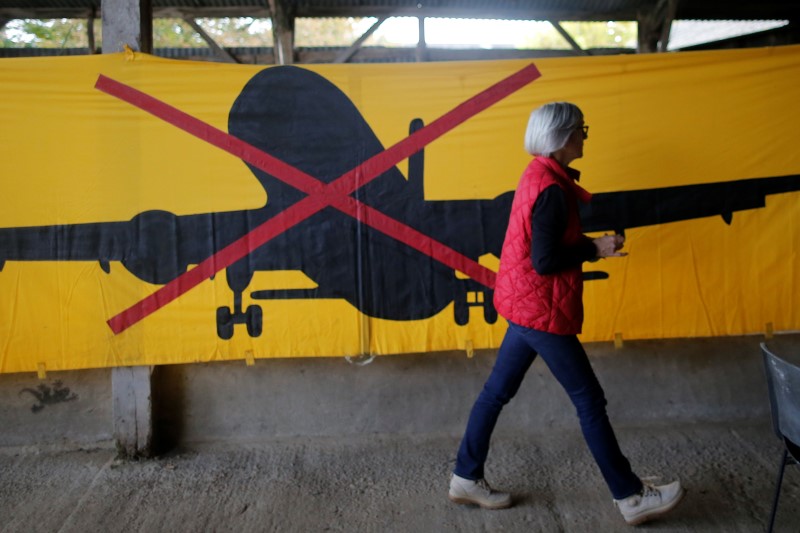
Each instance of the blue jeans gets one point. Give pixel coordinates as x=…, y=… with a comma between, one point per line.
x=568, y=362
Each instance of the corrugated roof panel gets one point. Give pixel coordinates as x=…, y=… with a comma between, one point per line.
x=530, y=9
x=687, y=33
x=521, y=6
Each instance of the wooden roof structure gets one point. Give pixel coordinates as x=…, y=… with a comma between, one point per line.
x=654, y=19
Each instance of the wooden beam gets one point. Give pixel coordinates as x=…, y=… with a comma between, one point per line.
x=221, y=52
x=617, y=11
x=666, y=27
x=422, y=52
x=282, y=14
x=90, y=35
x=655, y=25
x=575, y=46
x=345, y=55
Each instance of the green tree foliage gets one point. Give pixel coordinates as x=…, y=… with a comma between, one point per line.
x=586, y=34
x=543, y=37
x=232, y=32
x=603, y=34
x=175, y=33
x=56, y=33
x=326, y=31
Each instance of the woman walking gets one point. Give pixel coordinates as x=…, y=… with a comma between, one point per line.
x=539, y=291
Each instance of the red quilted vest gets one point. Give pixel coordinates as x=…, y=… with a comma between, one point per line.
x=551, y=303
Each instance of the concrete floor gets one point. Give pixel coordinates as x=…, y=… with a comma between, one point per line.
x=370, y=449
x=394, y=484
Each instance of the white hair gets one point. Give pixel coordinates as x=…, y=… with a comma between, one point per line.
x=550, y=126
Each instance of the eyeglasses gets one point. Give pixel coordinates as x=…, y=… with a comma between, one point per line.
x=585, y=130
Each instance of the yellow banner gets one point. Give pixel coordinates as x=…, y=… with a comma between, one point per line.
x=157, y=211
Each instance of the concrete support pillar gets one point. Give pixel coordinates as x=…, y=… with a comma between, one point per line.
x=131, y=391
x=130, y=22
x=127, y=22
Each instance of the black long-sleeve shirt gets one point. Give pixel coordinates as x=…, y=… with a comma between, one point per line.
x=548, y=224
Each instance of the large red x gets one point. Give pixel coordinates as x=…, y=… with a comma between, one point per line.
x=320, y=195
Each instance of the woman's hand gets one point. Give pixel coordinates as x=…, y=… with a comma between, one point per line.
x=609, y=245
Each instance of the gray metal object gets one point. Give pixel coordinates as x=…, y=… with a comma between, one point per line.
x=783, y=381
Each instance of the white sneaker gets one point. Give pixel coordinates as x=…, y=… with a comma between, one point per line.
x=653, y=501
x=478, y=492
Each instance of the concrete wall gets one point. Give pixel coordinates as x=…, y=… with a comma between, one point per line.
x=75, y=414
x=646, y=382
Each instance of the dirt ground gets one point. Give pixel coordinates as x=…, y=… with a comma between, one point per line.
x=375, y=483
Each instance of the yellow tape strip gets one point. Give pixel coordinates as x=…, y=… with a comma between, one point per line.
x=41, y=371
x=470, y=350
x=249, y=358
x=618, y=343
x=769, y=331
